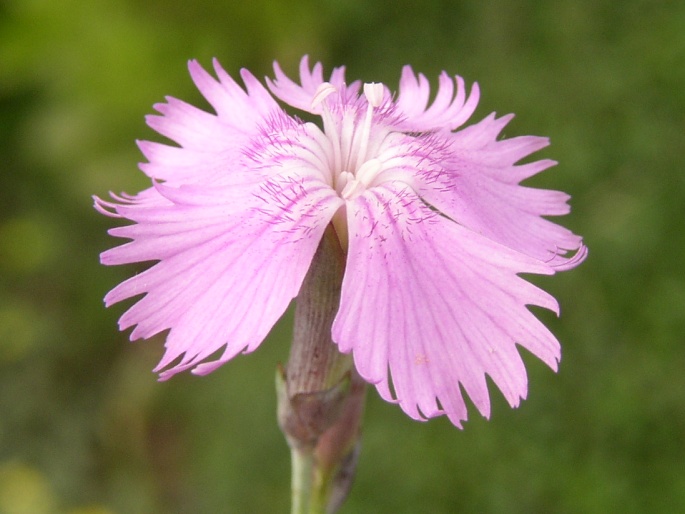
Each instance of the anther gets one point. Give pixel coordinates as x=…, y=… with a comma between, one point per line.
x=373, y=91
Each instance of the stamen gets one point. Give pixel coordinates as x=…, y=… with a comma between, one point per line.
x=322, y=92
x=349, y=133
x=368, y=171
x=342, y=180
x=352, y=190
x=373, y=91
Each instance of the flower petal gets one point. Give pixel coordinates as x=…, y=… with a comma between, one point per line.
x=225, y=273
x=301, y=96
x=211, y=144
x=438, y=304
x=447, y=110
x=477, y=185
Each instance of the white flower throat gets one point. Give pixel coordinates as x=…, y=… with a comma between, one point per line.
x=352, y=166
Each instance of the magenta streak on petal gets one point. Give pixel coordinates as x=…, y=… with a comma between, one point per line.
x=477, y=186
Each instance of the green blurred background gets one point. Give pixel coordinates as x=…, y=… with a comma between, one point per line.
x=85, y=428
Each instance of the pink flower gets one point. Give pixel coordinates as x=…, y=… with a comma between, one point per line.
x=434, y=221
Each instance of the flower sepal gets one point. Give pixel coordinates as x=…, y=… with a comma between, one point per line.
x=304, y=417
x=322, y=429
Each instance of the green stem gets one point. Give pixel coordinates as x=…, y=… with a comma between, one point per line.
x=302, y=465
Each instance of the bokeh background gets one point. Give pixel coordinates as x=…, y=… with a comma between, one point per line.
x=85, y=428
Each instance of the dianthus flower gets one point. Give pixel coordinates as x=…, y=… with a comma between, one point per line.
x=432, y=219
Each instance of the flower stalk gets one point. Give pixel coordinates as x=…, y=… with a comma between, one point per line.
x=320, y=394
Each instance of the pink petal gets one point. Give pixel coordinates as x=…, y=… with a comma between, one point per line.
x=447, y=110
x=477, y=185
x=211, y=143
x=301, y=96
x=226, y=271
x=438, y=305
x=189, y=165
x=479, y=143
x=235, y=106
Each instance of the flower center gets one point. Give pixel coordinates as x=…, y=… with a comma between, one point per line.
x=352, y=144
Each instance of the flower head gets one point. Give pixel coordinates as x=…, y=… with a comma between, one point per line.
x=432, y=218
